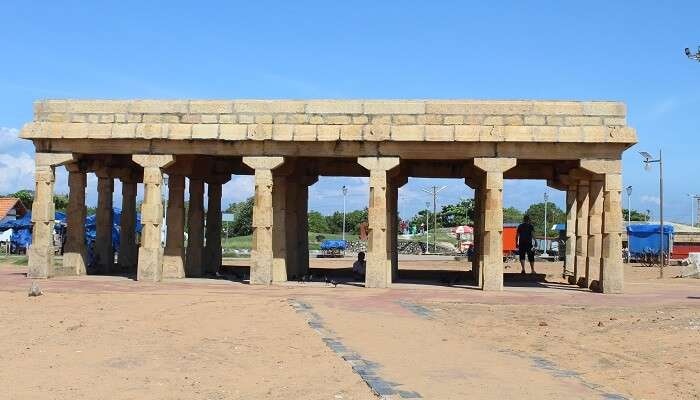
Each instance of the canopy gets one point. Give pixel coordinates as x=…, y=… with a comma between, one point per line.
x=333, y=245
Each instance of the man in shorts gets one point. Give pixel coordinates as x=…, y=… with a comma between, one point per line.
x=523, y=240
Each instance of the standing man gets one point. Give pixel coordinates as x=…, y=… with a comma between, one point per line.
x=523, y=240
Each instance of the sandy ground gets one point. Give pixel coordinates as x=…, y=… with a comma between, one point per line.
x=113, y=338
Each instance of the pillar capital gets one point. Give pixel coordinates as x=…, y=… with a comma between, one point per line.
x=52, y=159
x=268, y=163
x=153, y=160
x=378, y=163
x=495, y=164
x=217, y=179
x=601, y=166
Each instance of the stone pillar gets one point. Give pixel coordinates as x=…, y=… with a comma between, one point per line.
x=379, y=272
x=302, y=203
x=291, y=221
x=393, y=230
x=582, y=208
x=492, y=241
x=104, y=253
x=212, y=249
x=476, y=258
x=279, y=229
x=612, y=273
x=74, y=252
x=571, y=207
x=174, y=253
x=195, y=230
x=128, y=248
x=261, y=260
x=150, y=258
x=41, y=251
x=595, y=238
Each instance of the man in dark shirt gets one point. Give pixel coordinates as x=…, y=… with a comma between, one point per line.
x=523, y=240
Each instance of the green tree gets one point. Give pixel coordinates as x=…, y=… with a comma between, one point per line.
x=318, y=222
x=636, y=215
x=554, y=216
x=353, y=219
x=26, y=196
x=458, y=214
x=512, y=215
x=60, y=202
x=242, y=224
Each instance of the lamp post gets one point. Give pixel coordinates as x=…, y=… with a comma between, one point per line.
x=546, y=197
x=693, y=200
x=692, y=56
x=427, y=228
x=648, y=160
x=345, y=194
x=628, y=189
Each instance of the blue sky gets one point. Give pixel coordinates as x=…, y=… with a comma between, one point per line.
x=616, y=50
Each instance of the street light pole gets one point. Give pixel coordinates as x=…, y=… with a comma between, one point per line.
x=345, y=193
x=629, y=218
x=427, y=227
x=546, y=197
x=648, y=160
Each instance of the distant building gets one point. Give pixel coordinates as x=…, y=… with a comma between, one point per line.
x=11, y=208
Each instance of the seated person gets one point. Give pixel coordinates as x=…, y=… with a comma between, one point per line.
x=358, y=267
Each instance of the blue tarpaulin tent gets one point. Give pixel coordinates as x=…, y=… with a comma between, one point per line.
x=644, y=239
x=22, y=228
x=333, y=245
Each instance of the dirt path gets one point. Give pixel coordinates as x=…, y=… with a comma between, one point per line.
x=108, y=337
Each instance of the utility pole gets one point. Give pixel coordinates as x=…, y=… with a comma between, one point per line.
x=648, y=160
x=427, y=228
x=546, y=197
x=434, y=190
x=345, y=194
x=694, y=205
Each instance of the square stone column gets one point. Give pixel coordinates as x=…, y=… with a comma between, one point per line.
x=41, y=251
x=491, y=270
x=612, y=274
x=174, y=253
x=595, y=238
x=279, y=229
x=74, y=252
x=571, y=209
x=302, y=213
x=582, y=208
x=395, y=184
x=291, y=221
x=104, y=253
x=150, y=259
x=212, y=249
x=379, y=272
x=128, y=248
x=261, y=260
x=194, y=261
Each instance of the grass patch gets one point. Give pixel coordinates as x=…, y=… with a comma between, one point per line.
x=14, y=260
x=245, y=242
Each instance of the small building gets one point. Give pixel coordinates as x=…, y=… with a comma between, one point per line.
x=11, y=208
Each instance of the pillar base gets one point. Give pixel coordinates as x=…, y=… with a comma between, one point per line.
x=150, y=265
x=174, y=263
x=74, y=263
x=41, y=265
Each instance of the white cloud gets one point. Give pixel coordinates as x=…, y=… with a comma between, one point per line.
x=16, y=162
